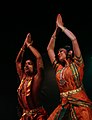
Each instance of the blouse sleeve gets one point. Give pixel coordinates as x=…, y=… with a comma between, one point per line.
x=79, y=60
x=55, y=64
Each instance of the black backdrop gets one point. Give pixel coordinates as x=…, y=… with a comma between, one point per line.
x=38, y=18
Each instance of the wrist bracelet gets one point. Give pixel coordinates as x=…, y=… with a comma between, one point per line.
x=53, y=37
x=74, y=39
x=63, y=29
x=22, y=49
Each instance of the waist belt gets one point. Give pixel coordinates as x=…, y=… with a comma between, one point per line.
x=31, y=112
x=65, y=94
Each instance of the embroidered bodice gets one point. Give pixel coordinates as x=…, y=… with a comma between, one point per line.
x=69, y=77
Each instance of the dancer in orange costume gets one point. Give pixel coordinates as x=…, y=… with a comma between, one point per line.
x=75, y=104
x=28, y=90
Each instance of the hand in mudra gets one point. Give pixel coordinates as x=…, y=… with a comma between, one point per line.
x=28, y=40
x=59, y=20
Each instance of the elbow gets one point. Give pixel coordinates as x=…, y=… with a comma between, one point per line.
x=16, y=60
x=39, y=57
x=48, y=48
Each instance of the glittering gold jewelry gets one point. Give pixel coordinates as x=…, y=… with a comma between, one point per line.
x=53, y=37
x=63, y=29
x=22, y=49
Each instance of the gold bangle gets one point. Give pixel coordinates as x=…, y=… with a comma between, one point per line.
x=63, y=29
x=22, y=49
x=53, y=37
x=74, y=39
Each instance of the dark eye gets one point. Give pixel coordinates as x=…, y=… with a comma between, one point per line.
x=29, y=63
x=60, y=50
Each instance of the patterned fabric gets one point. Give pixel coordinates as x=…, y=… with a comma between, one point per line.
x=24, y=92
x=73, y=109
x=34, y=114
x=75, y=104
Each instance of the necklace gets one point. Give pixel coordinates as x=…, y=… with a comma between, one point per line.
x=62, y=81
x=23, y=81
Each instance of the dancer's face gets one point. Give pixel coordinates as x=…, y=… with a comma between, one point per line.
x=62, y=54
x=28, y=66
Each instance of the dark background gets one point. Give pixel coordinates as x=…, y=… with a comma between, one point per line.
x=38, y=18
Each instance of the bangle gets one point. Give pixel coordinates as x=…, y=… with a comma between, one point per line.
x=53, y=37
x=63, y=29
x=22, y=49
x=74, y=39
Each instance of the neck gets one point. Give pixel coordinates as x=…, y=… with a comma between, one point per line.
x=66, y=63
x=29, y=74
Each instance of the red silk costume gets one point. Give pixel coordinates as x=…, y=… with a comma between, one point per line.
x=75, y=105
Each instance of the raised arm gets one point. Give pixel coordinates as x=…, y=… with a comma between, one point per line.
x=35, y=52
x=51, y=46
x=39, y=75
x=19, y=59
x=72, y=37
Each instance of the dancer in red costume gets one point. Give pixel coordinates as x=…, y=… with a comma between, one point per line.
x=28, y=90
x=75, y=104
